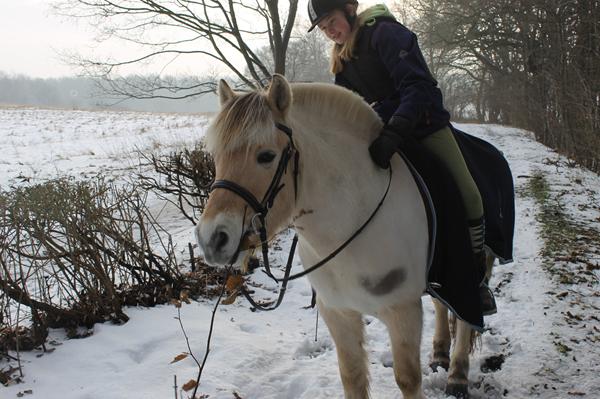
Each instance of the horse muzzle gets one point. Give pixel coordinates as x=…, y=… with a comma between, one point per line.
x=223, y=242
x=218, y=239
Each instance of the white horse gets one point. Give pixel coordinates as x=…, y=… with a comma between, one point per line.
x=382, y=272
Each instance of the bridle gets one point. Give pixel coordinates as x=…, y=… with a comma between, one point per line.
x=261, y=209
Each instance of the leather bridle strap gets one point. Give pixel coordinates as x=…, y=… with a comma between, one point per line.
x=275, y=186
x=284, y=283
x=240, y=191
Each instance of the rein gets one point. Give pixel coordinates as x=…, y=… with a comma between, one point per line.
x=262, y=208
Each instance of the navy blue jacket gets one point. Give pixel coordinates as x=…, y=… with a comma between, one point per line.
x=389, y=71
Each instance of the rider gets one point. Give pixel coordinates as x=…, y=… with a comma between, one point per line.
x=379, y=58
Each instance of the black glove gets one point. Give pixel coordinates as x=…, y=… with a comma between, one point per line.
x=384, y=146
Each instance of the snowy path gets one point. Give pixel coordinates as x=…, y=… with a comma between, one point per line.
x=273, y=355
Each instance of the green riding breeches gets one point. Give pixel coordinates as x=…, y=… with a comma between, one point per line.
x=444, y=146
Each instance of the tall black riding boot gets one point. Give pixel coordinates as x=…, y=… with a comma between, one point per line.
x=477, y=233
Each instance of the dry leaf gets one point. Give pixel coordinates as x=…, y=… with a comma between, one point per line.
x=179, y=357
x=246, y=260
x=184, y=296
x=230, y=299
x=176, y=302
x=188, y=386
x=234, y=283
x=233, y=286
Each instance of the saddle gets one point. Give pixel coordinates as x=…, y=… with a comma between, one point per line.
x=453, y=277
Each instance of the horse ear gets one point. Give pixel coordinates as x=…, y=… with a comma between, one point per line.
x=225, y=92
x=280, y=94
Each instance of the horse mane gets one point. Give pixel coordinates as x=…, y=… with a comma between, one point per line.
x=243, y=120
x=331, y=102
x=247, y=119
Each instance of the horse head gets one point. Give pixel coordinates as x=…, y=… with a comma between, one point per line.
x=253, y=194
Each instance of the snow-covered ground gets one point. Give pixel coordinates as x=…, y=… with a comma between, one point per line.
x=274, y=355
x=38, y=144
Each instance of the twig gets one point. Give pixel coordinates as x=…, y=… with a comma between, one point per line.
x=317, y=325
x=191, y=250
x=212, y=323
x=187, y=340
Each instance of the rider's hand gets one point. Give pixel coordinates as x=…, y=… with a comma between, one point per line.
x=384, y=146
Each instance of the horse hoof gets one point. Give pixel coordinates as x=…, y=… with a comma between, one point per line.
x=459, y=391
x=436, y=365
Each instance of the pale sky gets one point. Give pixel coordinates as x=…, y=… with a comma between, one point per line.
x=31, y=36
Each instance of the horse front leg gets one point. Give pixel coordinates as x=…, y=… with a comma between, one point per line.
x=441, y=338
x=405, y=323
x=458, y=376
x=347, y=330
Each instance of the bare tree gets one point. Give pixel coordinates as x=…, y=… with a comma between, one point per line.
x=167, y=30
x=536, y=64
x=307, y=58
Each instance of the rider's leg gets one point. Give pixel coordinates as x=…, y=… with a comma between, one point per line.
x=444, y=146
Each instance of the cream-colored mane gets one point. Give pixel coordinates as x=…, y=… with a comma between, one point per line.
x=247, y=119
x=330, y=102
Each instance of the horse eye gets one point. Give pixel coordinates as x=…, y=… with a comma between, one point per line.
x=266, y=157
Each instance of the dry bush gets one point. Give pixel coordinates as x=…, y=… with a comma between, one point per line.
x=75, y=253
x=184, y=179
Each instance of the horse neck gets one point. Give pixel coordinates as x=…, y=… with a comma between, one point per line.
x=339, y=185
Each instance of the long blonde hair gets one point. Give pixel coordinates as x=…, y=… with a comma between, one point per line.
x=344, y=52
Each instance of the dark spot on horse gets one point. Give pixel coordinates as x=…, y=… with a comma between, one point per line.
x=386, y=284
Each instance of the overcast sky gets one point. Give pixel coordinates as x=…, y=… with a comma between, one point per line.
x=29, y=35
x=32, y=36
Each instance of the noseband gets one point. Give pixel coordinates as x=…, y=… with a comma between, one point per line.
x=262, y=209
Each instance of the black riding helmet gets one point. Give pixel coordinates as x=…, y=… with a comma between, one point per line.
x=319, y=9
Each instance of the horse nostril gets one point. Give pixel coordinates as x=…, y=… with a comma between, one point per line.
x=221, y=240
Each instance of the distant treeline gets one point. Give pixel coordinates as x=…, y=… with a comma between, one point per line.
x=82, y=93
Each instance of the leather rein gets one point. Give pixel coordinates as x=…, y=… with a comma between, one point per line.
x=261, y=209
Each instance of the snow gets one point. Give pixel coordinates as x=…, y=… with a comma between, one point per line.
x=263, y=355
x=43, y=143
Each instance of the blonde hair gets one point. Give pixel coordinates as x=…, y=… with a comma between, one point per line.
x=344, y=52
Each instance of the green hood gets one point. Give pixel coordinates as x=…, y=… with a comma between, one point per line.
x=367, y=17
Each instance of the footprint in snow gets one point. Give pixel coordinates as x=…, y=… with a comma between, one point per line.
x=311, y=349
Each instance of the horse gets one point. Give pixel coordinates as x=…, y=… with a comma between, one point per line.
x=334, y=189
